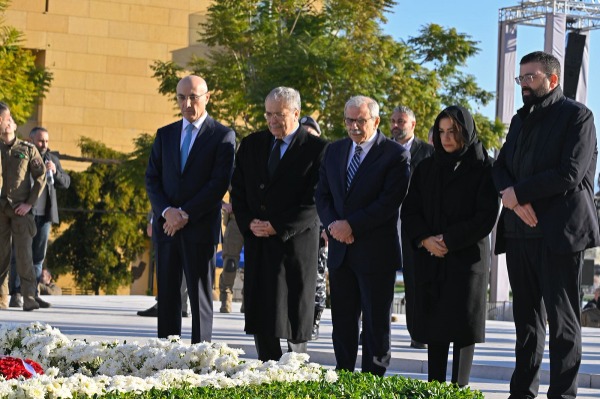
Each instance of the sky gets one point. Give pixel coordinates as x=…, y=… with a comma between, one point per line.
x=479, y=19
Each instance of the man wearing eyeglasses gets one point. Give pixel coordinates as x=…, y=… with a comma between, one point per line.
x=362, y=182
x=188, y=174
x=545, y=176
x=272, y=196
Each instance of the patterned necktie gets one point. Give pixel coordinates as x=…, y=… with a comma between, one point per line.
x=353, y=167
x=274, y=157
x=185, y=147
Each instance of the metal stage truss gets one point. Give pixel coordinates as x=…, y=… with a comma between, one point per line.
x=581, y=15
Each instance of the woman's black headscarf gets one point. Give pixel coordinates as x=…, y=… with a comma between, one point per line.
x=468, y=131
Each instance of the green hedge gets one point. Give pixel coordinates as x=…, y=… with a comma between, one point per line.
x=349, y=386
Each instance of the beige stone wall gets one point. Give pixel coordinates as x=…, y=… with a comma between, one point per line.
x=100, y=52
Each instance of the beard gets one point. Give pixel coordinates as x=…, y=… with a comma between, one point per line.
x=399, y=134
x=531, y=96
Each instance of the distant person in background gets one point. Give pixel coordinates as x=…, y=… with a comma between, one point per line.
x=45, y=213
x=313, y=128
x=402, y=124
x=47, y=285
x=448, y=214
x=23, y=180
x=595, y=302
x=233, y=242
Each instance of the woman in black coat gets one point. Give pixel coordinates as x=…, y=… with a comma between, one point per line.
x=449, y=211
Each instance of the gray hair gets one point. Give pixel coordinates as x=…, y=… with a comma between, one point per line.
x=403, y=109
x=290, y=97
x=357, y=101
x=36, y=130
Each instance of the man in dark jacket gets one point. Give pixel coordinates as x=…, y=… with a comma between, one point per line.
x=403, y=124
x=545, y=175
x=45, y=213
x=272, y=194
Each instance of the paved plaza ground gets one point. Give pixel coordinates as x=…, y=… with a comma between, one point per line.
x=114, y=317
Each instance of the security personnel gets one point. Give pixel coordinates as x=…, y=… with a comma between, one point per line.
x=233, y=241
x=21, y=165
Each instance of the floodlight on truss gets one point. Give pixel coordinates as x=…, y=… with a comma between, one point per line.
x=581, y=15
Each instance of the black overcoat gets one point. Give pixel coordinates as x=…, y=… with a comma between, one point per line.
x=280, y=272
x=462, y=205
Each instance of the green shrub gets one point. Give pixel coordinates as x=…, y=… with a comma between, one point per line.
x=349, y=386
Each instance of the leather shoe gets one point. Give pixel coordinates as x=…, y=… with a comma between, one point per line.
x=150, y=312
x=185, y=314
x=417, y=345
x=16, y=301
x=43, y=304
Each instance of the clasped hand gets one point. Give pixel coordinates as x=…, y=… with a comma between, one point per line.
x=175, y=220
x=435, y=245
x=262, y=228
x=525, y=212
x=341, y=231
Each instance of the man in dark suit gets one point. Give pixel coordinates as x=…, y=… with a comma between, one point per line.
x=272, y=196
x=188, y=174
x=403, y=124
x=545, y=175
x=362, y=182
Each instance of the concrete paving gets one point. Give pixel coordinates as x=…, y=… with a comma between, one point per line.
x=109, y=317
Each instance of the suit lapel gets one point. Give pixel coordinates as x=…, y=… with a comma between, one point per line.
x=175, y=145
x=205, y=133
x=292, y=153
x=374, y=153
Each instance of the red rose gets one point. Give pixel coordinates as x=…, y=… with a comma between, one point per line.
x=12, y=367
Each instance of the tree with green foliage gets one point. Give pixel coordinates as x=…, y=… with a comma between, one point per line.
x=329, y=50
x=22, y=83
x=107, y=207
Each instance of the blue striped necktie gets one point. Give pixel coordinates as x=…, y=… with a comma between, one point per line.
x=185, y=147
x=353, y=167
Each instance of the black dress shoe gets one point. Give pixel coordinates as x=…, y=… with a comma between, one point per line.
x=185, y=314
x=150, y=312
x=417, y=345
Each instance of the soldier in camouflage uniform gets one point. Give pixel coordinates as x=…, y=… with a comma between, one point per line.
x=233, y=241
x=21, y=165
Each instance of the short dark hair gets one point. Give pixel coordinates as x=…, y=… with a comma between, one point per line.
x=3, y=107
x=550, y=64
x=35, y=131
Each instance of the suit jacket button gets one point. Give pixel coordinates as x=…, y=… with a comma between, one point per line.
x=262, y=186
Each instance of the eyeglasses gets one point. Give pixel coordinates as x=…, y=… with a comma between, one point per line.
x=192, y=97
x=275, y=115
x=528, y=78
x=359, y=122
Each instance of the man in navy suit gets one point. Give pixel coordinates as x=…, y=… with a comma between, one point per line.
x=545, y=175
x=362, y=182
x=188, y=174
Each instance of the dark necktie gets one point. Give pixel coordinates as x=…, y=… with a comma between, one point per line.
x=353, y=167
x=274, y=157
x=185, y=147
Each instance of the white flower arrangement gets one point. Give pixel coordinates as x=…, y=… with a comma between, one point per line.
x=77, y=367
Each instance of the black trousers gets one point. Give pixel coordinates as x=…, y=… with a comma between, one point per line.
x=174, y=259
x=371, y=294
x=545, y=287
x=268, y=347
x=437, y=362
